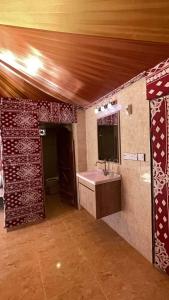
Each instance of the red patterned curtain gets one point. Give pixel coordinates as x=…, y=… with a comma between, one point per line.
x=1, y=170
x=157, y=81
x=56, y=112
x=22, y=155
x=160, y=156
x=157, y=89
x=24, y=201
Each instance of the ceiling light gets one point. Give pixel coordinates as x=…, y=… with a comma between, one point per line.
x=96, y=110
x=8, y=57
x=32, y=64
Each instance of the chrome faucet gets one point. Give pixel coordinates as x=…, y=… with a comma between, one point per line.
x=105, y=171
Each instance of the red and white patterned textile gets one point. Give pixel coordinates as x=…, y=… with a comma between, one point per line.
x=157, y=81
x=157, y=87
x=56, y=112
x=160, y=155
x=22, y=155
x=22, y=163
x=1, y=170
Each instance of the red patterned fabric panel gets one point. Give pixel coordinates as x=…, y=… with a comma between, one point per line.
x=22, y=164
x=67, y=113
x=44, y=110
x=56, y=112
x=157, y=81
x=19, y=123
x=160, y=155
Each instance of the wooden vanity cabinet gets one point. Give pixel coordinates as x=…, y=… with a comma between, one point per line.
x=100, y=200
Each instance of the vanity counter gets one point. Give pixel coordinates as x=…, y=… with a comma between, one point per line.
x=99, y=194
x=97, y=177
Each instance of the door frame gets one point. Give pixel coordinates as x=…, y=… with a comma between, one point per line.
x=74, y=159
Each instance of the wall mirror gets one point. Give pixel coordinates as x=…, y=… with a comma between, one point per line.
x=108, y=130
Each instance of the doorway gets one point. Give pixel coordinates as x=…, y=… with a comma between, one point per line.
x=59, y=168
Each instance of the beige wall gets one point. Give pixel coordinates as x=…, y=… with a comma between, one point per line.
x=79, y=134
x=133, y=223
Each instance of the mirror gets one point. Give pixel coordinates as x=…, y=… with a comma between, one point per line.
x=109, y=138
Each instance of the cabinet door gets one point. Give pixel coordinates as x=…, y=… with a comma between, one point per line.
x=91, y=203
x=82, y=195
x=87, y=199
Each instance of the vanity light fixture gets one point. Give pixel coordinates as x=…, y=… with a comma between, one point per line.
x=96, y=110
x=111, y=106
x=102, y=108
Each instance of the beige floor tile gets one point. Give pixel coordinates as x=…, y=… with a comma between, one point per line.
x=62, y=273
x=71, y=256
x=21, y=281
x=82, y=292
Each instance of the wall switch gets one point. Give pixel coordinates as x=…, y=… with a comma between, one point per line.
x=129, y=156
x=141, y=156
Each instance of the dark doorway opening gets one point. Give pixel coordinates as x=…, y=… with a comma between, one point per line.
x=59, y=167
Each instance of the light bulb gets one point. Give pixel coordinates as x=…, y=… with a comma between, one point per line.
x=96, y=110
x=32, y=65
x=8, y=57
x=102, y=108
x=109, y=105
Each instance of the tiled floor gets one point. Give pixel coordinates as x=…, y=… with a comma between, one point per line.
x=70, y=256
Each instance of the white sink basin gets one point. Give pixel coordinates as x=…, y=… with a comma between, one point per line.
x=97, y=177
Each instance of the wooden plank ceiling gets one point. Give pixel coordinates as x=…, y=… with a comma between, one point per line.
x=88, y=48
x=126, y=19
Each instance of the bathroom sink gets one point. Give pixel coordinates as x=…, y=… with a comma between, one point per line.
x=97, y=177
